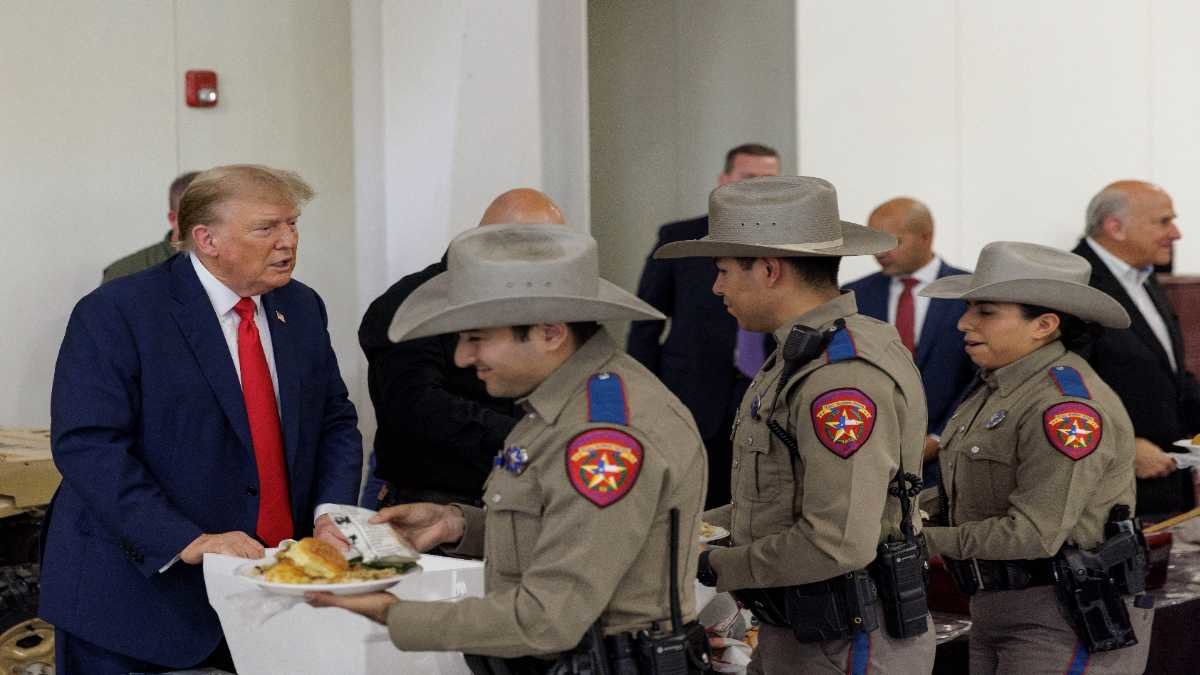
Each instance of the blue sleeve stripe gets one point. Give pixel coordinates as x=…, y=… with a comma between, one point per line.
x=841, y=347
x=606, y=399
x=1069, y=382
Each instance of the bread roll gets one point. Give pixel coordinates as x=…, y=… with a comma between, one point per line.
x=316, y=558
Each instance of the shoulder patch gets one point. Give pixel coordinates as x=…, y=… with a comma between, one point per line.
x=1069, y=382
x=843, y=420
x=603, y=464
x=606, y=399
x=841, y=346
x=1073, y=428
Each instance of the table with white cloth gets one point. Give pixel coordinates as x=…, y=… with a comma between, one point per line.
x=299, y=639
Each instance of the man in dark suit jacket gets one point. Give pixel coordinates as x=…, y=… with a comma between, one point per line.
x=439, y=430
x=1130, y=229
x=697, y=359
x=166, y=430
x=933, y=335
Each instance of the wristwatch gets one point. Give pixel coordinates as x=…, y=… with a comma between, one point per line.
x=705, y=573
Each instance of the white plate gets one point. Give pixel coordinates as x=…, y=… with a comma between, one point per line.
x=718, y=532
x=249, y=572
x=1187, y=444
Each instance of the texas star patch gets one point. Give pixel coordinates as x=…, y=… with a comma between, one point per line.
x=843, y=420
x=603, y=464
x=1074, y=429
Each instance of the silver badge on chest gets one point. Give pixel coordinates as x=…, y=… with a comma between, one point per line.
x=995, y=420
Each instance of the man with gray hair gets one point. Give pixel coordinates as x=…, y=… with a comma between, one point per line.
x=1130, y=229
x=196, y=408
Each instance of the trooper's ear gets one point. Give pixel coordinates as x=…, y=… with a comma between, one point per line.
x=1045, y=325
x=773, y=268
x=552, y=336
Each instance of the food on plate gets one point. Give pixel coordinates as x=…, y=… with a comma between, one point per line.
x=709, y=532
x=311, y=561
x=316, y=558
x=1196, y=439
x=286, y=572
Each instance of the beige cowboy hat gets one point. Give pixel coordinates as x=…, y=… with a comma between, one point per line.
x=514, y=275
x=778, y=216
x=1015, y=271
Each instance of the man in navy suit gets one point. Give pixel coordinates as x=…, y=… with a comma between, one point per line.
x=699, y=360
x=197, y=408
x=928, y=327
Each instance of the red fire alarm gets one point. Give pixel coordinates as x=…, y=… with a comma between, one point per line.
x=201, y=88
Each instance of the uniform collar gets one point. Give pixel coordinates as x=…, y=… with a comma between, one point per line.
x=820, y=316
x=1008, y=378
x=551, y=396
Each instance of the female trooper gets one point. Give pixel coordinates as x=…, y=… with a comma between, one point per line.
x=1037, y=467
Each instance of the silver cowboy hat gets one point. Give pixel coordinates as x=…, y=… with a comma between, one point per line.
x=1015, y=271
x=778, y=216
x=513, y=275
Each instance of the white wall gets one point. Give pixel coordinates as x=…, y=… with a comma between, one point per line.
x=1005, y=117
x=87, y=137
x=458, y=102
x=93, y=128
x=454, y=103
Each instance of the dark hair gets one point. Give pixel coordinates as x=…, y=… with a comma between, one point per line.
x=1076, y=334
x=752, y=149
x=175, y=192
x=582, y=331
x=820, y=272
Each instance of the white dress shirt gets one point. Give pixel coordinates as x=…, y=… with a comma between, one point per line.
x=223, y=300
x=1134, y=282
x=924, y=276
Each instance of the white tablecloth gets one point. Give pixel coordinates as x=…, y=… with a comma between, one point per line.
x=301, y=639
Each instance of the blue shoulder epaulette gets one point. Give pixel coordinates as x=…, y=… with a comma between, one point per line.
x=1069, y=382
x=606, y=399
x=841, y=346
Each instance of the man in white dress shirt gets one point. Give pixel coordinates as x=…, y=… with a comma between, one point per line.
x=929, y=328
x=1130, y=229
x=196, y=408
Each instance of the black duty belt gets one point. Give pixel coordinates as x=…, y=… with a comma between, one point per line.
x=620, y=648
x=974, y=575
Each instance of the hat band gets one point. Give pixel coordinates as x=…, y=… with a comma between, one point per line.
x=813, y=245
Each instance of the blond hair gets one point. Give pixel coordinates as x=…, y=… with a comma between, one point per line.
x=209, y=190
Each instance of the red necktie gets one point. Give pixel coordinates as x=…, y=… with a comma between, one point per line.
x=906, y=315
x=274, y=506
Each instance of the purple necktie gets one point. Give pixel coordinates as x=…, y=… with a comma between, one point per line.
x=749, y=353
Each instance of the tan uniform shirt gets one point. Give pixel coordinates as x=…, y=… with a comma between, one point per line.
x=1013, y=493
x=555, y=560
x=796, y=520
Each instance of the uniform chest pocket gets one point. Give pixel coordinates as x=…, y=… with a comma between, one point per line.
x=514, y=521
x=768, y=469
x=988, y=468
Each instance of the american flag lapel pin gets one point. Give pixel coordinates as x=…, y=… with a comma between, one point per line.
x=279, y=315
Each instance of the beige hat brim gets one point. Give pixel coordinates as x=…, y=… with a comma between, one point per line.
x=427, y=311
x=1080, y=300
x=856, y=240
